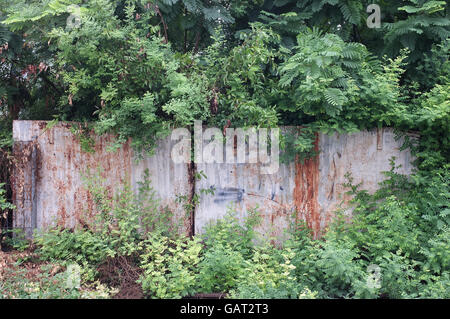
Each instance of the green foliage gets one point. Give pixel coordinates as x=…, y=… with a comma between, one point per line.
x=125, y=225
x=240, y=78
x=220, y=268
x=395, y=233
x=337, y=86
x=270, y=274
x=426, y=22
x=402, y=230
x=319, y=67
x=192, y=22
x=340, y=83
x=434, y=68
x=130, y=76
x=387, y=227
x=4, y=204
x=120, y=72
x=15, y=238
x=416, y=24
x=430, y=115
x=137, y=70
x=45, y=285
x=174, y=268
x=436, y=252
x=121, y=222
x=170, y=266
x=230, y=232
x=123, y=217
x=73, y=246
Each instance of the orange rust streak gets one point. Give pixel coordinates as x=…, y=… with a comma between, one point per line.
x=307, y=189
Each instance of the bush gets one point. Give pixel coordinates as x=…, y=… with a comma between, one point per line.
x=45, y=285
x=231, y=232
x=60, y=244
x=395, y=247
x=270, y=274
x=221, y=268
x=170, y=266
x=123, y=221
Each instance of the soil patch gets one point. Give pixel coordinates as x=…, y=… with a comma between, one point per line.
x=122, y=273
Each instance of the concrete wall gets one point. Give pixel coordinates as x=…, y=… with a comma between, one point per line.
x=48, y=187
x=61, y=196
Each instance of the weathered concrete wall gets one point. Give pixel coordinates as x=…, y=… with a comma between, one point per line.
x=311, y=190
x=61, y=196
x=168, y=179
x=365, y=155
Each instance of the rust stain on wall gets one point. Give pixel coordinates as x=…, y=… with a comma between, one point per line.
x=49, y=188
x=62, y=196
x=306, y=191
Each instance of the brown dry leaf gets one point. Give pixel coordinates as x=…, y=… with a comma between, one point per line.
x=55, y=270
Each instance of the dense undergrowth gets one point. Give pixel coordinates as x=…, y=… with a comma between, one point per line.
x=136, y=69
x=395, y=247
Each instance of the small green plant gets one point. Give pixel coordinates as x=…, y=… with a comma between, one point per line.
x=122, y=222
x=81, y=246
x=4, y=204
x=269, y=274
x=220, y=269
x=47, y=285
x=83, y=135
x=231, y=232
x=17, y=285
x=170, y=266
x=191, y=201
x=16, y=240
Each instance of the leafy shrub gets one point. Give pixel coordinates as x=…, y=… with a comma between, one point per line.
x=124, y=218
x=220, y=269
x=269, y=274
x=59, y=244
x=170, y=266
x=4, y=204
x=230, y=232
x=122, y=221
x=16, y=240
x=402, y=230
x=45, y=285
x=240, y=78
x=437, y=253
x=19, y=286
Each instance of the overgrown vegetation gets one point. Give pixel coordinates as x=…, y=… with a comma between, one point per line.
x=402, y=230
x=138, y=68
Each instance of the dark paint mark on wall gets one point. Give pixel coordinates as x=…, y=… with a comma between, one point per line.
x=229, y=194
